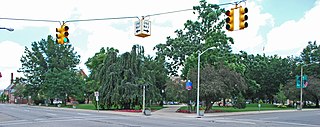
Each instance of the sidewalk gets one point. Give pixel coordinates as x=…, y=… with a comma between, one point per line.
x=170, y=111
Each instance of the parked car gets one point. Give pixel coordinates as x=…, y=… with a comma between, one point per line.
x=57, y=101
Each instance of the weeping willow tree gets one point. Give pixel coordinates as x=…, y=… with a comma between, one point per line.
x=121, y=78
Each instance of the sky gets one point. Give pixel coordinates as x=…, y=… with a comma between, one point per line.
x=276, y=27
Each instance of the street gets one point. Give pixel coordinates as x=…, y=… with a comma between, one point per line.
x=31, y=116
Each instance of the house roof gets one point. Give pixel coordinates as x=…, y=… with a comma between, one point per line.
x=11, y=86
x=83, y=73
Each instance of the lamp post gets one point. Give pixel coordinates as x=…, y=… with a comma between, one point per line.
x=9, y=29
x=301, y=83
x=198, y=81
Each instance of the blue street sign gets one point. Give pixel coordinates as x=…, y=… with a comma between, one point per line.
x=189, y=85
x=304, y=79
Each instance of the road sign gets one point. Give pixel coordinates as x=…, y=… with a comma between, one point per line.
x=189, y=85
x=96, y=93
x=142, y=28
x=304, y=79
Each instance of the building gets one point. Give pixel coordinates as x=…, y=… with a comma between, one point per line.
x=9, y=91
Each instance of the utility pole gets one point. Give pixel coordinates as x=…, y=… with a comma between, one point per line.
x=144, y=99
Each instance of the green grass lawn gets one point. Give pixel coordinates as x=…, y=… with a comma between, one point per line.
x=86, y=106
x=249, y=107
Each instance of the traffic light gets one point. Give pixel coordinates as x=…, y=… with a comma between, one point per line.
x=62, y=35
x=230, y=19
x=243, y=17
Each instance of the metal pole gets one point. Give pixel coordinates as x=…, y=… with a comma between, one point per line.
x=9, y=29
x=198, y=83
x=98, y=106
x=301, y=83
x=144, y=98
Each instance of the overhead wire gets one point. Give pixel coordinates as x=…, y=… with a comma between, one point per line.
x=96, y=19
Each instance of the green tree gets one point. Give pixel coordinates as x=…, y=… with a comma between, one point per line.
x=311, y=56
x=121, y=77
x=45, y=59
x=197, y=35
x=217, y=83
x=280, y=96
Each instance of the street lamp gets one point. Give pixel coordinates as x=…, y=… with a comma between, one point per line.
x=9, y=29
x=198, y=82
x=301, y=83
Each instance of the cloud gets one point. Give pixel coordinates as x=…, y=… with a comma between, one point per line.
x=120, y=33
x=293, y=35
x=250, y=38
x=10, y=54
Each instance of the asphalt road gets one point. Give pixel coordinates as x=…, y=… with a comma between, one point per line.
x=33, y=116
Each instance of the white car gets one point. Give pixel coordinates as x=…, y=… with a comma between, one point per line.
x=56, y=101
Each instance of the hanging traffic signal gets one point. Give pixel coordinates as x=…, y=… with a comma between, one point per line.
x=62, y=36
x=243, y=17
x=230, y=19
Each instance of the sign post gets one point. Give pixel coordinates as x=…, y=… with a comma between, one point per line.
x=97, y=99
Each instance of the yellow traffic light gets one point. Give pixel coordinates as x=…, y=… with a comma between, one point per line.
x=243, y=18
x=62, y=36
x=230, y=19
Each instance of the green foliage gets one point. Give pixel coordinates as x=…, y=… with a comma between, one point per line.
x=49, y=71
x=207, y=28
x=120, y=77
x=240, y=103
x=280, y=95
x=217, y=83
x=282, y=106
x=137, y=107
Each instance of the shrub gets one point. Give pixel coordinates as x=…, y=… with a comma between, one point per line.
x=137, y=107
x=240, y=104
x=282, y=106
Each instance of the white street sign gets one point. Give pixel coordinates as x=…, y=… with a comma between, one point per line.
x=96, y=93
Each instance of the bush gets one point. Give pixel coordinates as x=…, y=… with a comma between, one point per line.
x=282, y=106
x=240, y=103
x=137, y=107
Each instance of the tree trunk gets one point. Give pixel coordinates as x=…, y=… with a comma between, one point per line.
x=317, y=103
x=224, y=102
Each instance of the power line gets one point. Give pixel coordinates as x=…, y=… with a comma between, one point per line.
x=168, y=12
x=82, y=20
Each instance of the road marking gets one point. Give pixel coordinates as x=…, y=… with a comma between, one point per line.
x=233, y=121
x=84, y=114
x=269, y=118
x=280, y=122
x=19, y=122
x=51, y=114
